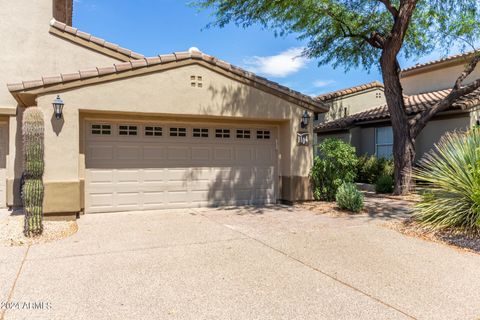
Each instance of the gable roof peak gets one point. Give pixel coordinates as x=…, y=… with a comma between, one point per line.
x=161, y=62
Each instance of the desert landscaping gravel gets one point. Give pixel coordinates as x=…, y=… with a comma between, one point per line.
x=11, y=230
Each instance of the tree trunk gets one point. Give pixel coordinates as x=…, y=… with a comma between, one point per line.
x=403, y=142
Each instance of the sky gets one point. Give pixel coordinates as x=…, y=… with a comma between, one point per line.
x=153, y=27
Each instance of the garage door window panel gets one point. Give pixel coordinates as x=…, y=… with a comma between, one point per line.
x=127, y=130
x=263, y=134
x=178, y=132
x=200, y=132
x=222, y=133
x=243, y=134
x=101, y=129
x=153, y=131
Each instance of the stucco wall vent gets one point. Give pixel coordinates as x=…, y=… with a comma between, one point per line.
x=196, y=81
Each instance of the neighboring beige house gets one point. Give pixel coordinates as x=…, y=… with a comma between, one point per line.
x=369, y=128
x=352, y=100
x=171, y=131
x=348, y=101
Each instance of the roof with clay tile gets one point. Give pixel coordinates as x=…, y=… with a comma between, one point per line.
x=414, y=104
x=344, y=92
x=167, y=60
x=461, y=57
x=84, y=38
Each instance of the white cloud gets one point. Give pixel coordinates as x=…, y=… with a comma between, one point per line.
x=323, y=83
x=280, y=65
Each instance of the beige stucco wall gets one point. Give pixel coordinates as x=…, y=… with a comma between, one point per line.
x=434, y=130
x=363, y=138
x=352, y=103
x=30, y=52
x=435, y=79
x=168, y=93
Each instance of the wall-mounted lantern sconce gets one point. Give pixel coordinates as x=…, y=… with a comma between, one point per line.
x=305, y=119
x=58, y=107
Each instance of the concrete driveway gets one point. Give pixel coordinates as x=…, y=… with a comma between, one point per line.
x=244, y=263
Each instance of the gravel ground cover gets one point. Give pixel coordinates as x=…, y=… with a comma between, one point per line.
x=11, y=230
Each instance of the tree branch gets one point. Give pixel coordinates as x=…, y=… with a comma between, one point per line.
x=375, y=39
x=418, y=122
x=400, y=26
x=390, y=8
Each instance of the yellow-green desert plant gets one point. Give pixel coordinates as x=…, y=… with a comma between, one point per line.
x=32, y=188
x=349, y=198
x=448, y=178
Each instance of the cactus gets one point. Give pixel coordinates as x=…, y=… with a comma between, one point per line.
x=32, y=188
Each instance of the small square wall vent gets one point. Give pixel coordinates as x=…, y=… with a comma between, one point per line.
x=196, y=81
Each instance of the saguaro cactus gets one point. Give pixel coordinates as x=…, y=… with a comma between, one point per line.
x=32, y=188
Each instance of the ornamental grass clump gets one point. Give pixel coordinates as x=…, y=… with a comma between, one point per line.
x=449, y=180
x=32, y=188
x=349, y=198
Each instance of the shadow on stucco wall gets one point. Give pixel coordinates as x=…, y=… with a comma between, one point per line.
x=244, y=185
x=57, y=124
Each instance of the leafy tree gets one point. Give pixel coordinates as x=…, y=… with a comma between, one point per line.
x=352, y=33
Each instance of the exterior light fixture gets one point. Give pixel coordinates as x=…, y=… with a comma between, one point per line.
x=305, y=118
x=58, y=107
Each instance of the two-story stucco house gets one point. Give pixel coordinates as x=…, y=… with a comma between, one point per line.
x=344, y=102
x=368, y=128
x=171, y=131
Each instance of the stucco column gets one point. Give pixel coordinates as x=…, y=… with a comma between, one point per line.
x=61, y=179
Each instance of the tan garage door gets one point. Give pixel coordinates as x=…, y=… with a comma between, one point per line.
x=144, y=166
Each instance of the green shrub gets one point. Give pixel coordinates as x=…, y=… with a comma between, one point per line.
x=335, y=165
x=371, y=168
x=349, y=198
x=384, y=184
x=449, y=180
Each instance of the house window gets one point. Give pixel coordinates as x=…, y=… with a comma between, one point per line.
x=378, y=95
x=243, y=134
x=263, y=134
x=200, y=132
x=384, y=142
x=222, y=133
x=178, y=132
x=315, y=116
x=101, y=129
x=152, y=131
x=125, y=130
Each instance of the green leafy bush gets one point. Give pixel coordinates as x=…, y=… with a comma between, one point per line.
x=349, y=198
x=335, y=165
x=384, y=184
x=371, y=168
x=449, y=180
